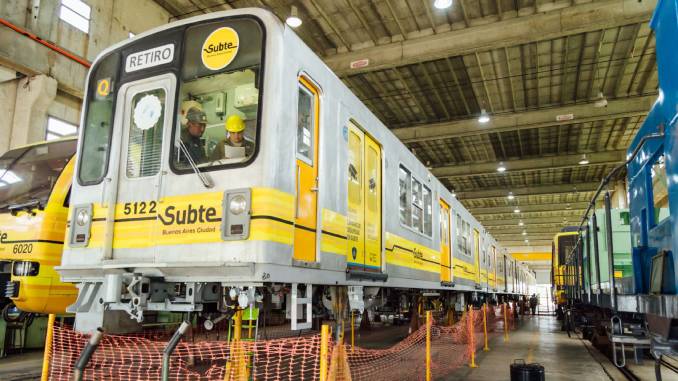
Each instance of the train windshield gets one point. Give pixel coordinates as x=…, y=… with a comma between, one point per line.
x=28, y=174
x=565, y=246
x=219, y=95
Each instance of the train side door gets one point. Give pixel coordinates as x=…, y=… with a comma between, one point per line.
x=306, y=208
x=364, y=201
x=147, y=113
x=493, y=267
x=445, y=260
x=476, y=248
x=505, y=273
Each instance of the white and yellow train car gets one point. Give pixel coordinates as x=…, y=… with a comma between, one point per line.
x=35, y=183
x=169, y=213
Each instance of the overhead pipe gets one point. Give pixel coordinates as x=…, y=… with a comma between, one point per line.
x=588, y=262
x=48, y=44
x=610, y=252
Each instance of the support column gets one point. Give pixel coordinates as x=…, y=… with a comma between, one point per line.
x=620, y=200
x=7, y=102
x=33, y=97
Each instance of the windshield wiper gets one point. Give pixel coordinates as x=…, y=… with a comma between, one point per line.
x=206, y=180
x=28, y=206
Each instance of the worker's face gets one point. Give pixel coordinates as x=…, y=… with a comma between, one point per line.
x=196, y=129
x=236, y=137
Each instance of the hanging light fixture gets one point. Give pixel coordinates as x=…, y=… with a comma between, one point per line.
x=524, y=232
x=527, y=241
x=293, y=19
x=442, y=4
x=510, y=196
x=520, y=223
x=516, y=210
x=454, y=193
x=484, y=116
x=584, y=160
x=501, y=168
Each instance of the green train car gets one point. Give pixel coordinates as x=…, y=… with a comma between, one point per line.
x=621, y=248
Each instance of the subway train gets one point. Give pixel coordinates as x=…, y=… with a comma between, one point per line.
x=635, y=298
x=35, y=182
x=222, y=164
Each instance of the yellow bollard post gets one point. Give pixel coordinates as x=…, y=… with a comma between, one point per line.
x=324, y=343
x=428, y=345
x=353, y=330
x=48, y=348
x=506, y=327
x=486, y=347
x=472, y=342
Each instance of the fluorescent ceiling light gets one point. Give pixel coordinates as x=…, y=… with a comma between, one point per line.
x=293, y=19
x=442, y=4
x=484, y=116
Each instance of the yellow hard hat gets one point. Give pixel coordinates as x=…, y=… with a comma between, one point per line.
x=234, y=123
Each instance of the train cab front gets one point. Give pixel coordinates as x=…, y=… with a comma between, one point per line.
x=171, y=161
x=34, y=186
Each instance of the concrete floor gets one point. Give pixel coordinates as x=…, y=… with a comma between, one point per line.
x=538, y=340
x=24, y=366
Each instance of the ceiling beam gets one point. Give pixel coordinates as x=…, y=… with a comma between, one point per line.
x=525, y=165
x=581, y=206
x=578, y=18
x=533, y=242
x=171, y=9
x=583, y=113
x=498, y=222
x=515, y=229
x=527, y=191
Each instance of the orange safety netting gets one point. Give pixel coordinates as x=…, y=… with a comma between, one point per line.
x=200, y=357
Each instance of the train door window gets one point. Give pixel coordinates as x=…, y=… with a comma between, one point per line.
x=459, y=230
x=659, y=191
x=444, y=226
x=355, y=169
x=145, y=133
x=467, y=235
x=428, y=212
x=405, y=184
x=417, y=206
x=305, y=119
x=98, y=122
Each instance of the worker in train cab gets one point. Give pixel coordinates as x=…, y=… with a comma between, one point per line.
x=191, y=135
x=235, y=145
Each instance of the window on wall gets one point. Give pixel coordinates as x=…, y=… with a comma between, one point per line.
x=428, y=212
x=58, y=129
x=415, y=203
x=404, y=191
x=660, y=193
x=77, y=13
x=417, y=206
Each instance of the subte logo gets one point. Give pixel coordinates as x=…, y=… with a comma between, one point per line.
x=190, y=215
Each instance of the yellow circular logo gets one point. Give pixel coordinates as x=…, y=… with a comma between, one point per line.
x=220, y=48
x=103, y=87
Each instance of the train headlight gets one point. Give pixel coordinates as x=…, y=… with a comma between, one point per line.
x=83, y=217
x=237, y=205
x=236, y=209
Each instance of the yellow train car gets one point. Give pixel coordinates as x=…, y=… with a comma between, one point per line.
x=35, y=182
x=561, y=274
